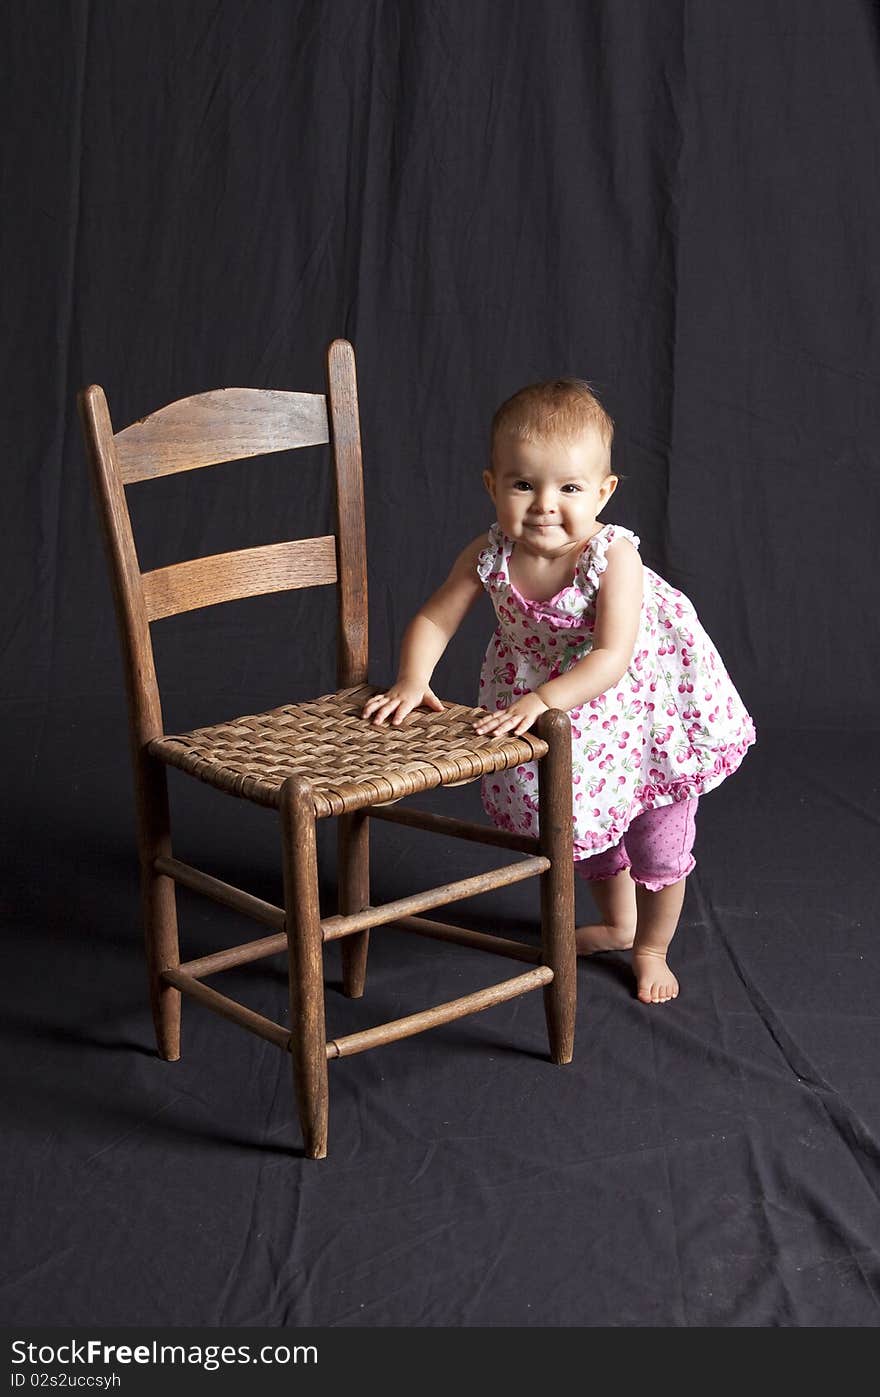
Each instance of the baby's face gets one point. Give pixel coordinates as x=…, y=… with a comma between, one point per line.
x=548, y=494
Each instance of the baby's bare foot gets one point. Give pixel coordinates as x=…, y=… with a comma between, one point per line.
x=656, y=982
x=602, y=938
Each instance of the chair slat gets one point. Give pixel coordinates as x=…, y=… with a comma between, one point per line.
x=227, y=424
x=249, y=572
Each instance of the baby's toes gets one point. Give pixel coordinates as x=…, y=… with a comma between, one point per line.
x=656, y=985
x=670, y=988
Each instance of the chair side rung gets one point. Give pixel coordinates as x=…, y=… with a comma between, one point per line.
x=441, y=1013
x=456, y=829
x=226, y=893
x=334, y=927
x=337, y=926
x=243, y=954
x=229, y=1008
x=250, y=951
x=463, y=936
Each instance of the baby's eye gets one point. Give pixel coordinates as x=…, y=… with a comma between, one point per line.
x=521, y=485
x=575, y=489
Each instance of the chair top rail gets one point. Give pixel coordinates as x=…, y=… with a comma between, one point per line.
x=227, y=424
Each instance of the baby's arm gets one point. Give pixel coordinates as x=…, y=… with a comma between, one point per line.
x=425, y=639
x=618, y=607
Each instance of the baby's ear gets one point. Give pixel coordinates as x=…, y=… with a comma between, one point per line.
x=489, y=482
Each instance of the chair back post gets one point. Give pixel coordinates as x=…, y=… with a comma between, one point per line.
x=145, y=709
x=352, y=636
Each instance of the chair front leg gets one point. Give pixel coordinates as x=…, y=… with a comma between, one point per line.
x=353, y=881
x=308, y=1030
x=158, y=901
x=557, y=884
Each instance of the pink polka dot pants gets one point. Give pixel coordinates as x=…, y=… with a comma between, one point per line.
x=656, y=848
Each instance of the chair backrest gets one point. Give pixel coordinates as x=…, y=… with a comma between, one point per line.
x=230, y=424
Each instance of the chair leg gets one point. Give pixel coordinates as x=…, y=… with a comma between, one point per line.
x=557, y=884
x=308, y=1032
x=353, y=878
x=158, y=902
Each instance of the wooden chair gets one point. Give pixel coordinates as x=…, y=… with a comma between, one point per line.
x=311, y=760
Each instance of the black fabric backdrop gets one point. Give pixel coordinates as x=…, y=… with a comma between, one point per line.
x=679, y=202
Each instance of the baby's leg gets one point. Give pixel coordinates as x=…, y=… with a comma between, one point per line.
x=658, y=914
x=615, y=896
x=659, y=844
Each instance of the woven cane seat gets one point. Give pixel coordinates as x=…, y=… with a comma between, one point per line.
x=349, y=763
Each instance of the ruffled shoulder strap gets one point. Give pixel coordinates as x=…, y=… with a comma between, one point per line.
x=594, y=559
x=489, y=558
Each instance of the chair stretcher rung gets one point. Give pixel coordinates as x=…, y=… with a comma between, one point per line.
x=441, y=1013
x=456, y=829
x=463, y=936
x=215, y=888
x=229, y=1008
x=400, y=912
x=334, y=927
x=250, y=951
x=234, y=955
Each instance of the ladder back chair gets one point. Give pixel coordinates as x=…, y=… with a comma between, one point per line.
x=312, y=760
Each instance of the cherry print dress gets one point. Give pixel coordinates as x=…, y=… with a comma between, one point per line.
x=672, y=728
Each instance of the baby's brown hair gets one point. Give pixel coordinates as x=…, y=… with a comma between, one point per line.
x=561, y=408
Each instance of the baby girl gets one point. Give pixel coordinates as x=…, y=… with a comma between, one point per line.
x=584, y=626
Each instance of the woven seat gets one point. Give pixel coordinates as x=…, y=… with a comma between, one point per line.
x=349, y=764
x=315, y=759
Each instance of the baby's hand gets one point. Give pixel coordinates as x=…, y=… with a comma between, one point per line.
x=516, y=719
x=400, y=700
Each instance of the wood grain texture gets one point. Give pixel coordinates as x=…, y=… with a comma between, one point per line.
x=334, y=927
x=353, y=842
x=557, y=884
x=232, y=956
x=463, y=936
x=308, y=1033
x=236, y=898
x=125, y=575
x=229, y=1008
x=352, y=638
x=441, y=1013
x=248, y=572
x=158, y=900
x=353, y=882
x=455, y=828
x=227, y=424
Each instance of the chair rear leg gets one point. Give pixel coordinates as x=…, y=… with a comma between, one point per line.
x=557, y=884
x=158, y=903
x=353, y=879
x=308, y=1030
